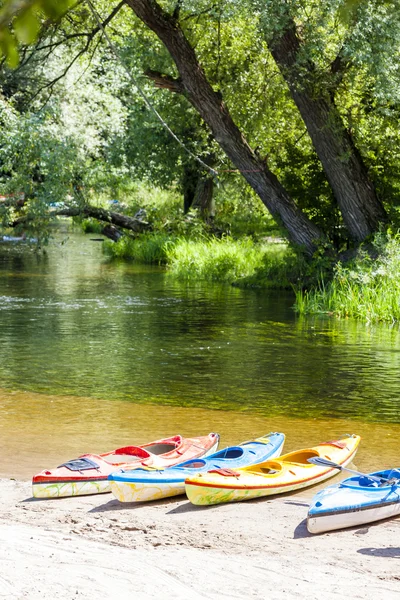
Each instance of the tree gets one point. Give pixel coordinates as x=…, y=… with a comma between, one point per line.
x=214, y=112
x=312, y=87
x=316, y=52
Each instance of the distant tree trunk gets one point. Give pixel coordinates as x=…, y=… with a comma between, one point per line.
x=112, y=232
x=213, y=111
x=198, y=191
x=190, y=180
x=203, y=198
x=346, y=172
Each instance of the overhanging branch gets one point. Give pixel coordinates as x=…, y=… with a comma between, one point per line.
x=166, y=82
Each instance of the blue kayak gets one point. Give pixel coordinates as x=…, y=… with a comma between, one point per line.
x=355, y=501
x=144, y=484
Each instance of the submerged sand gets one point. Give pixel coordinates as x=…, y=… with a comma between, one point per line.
x=94, y=547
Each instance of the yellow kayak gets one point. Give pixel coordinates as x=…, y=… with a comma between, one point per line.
x=285, y=474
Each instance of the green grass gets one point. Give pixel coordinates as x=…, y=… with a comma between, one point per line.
x=225, y=260
x=149, y=248
x=91, y=226
x=368, y=289
x=241, y=262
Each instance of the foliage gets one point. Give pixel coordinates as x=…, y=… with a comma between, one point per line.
x=150, y=248
x=88, y=134
x=224, y=260
x=368, y=288
x=63, y=152
x=90, y=225
x=21, y=20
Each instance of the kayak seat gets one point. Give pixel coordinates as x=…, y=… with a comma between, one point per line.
x=265, y=469
x=192, y=464
x=125, y=455
x=367, y=482
x=135, y=451
x=225, y=472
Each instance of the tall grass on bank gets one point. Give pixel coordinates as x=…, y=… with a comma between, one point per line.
x=368, y=289
x=225, y=260
x=241, y=262
x=149, y=248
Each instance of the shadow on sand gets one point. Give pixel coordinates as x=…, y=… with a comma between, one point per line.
x=301, y=531
x=382, y=552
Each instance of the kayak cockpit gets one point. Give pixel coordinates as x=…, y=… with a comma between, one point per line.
x=372, y=481
x=234, y=452
x=161, y=448
x=301, y=458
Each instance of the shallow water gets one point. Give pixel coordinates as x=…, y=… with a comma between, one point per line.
x=94, y=354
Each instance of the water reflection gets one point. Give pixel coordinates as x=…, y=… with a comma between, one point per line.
x=72, y=323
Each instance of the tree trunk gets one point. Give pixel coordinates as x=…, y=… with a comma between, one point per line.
x=345, y=170
x=213, y=111
x=190, y=179
x=203, y=198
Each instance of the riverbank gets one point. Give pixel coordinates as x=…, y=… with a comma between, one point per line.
x=95, y=548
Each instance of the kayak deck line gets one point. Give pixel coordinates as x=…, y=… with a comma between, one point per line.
x=354, y=509
x=269, y=486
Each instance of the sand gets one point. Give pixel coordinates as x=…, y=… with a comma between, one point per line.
x=94, y=547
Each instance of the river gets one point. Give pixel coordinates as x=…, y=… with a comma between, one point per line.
x=97, y=353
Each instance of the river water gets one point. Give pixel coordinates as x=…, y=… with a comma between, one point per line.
x=96, y=353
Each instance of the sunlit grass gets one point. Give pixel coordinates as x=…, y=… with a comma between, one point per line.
x=368, y=289
x=226, y=260
x=149, y=248
x=242, y=262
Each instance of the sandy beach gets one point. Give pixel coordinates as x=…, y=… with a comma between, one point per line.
x=94, y=547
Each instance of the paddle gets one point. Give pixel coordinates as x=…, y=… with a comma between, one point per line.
x=324, y=462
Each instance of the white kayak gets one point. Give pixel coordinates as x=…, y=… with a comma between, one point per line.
x=355, y=501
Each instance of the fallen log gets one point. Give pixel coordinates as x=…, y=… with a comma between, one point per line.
x=110, y=217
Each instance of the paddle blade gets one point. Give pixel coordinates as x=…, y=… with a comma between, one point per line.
x=323, y=462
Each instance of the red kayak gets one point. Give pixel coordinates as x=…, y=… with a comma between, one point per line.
x=88, y=474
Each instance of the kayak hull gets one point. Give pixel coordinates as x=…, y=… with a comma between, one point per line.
x=145, y=485
x=355, y=501
x=136, y=491
x=69, y=480
x=70, y=488
x=288, y=473
x=353, y=518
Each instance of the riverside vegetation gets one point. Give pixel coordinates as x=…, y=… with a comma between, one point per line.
x=366, y=287
x=288, y=119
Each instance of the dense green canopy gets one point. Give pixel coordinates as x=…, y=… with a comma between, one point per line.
x=294, y=105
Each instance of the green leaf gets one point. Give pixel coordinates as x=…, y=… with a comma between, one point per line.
x=55, y=9
x=8, y=47
x=347, y=9
x=26, y=27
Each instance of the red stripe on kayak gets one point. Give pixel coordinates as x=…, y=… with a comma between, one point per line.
x=68, y=480
x=266, y=487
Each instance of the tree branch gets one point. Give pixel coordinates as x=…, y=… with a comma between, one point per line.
x=89, y=38
x=163, y=81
